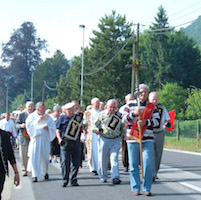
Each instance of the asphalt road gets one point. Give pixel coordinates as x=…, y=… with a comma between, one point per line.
x=179, y=178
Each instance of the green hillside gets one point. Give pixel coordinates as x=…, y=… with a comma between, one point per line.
x=194, y=30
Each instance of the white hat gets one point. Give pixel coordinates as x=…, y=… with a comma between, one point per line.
x=56, y=107
x=68, y=105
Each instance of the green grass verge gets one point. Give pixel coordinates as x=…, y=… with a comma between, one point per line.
x=185, y=144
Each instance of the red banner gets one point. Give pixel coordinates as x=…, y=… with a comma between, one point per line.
x=172, y=118
x=147, y=113
x=26, y=134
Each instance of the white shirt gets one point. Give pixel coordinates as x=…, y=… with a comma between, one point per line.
x=8, y=126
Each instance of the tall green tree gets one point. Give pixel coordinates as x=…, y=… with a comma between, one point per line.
x=185, y=61
x=154, y=50
x=105, y=75
x=48, y=74
x=18, y=55
x=170, y=56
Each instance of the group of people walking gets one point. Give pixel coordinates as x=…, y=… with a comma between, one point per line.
x=103, y=131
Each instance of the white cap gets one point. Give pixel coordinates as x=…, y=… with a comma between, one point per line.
x=68, y=105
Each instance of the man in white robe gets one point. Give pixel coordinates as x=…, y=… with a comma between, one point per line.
x=42, y=130
x=92, y=137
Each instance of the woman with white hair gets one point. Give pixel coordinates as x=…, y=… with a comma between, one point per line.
x=54, y=145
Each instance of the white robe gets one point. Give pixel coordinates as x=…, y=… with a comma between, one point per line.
x=39, y=146
x=93, y=166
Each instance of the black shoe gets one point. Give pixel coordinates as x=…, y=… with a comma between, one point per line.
x=94, y=173
x=64, y=184
x=34, y=179
x=75, y=184
x=147, y=193
x=46, y=177
x=125, y=169
x=116, y=181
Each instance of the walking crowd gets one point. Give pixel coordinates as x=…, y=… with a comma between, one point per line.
x=67, y=133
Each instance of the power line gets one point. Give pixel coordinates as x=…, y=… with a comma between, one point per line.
x=107, y=63
x=186, y=14
x=185, y=9
x=156, y=31
x=48, y=87
x=26, y=95
x=180, y=11
x=104, y=55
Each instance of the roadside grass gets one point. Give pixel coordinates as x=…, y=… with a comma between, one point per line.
x=185, y=144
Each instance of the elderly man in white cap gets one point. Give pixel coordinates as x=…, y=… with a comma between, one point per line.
x=68, y=134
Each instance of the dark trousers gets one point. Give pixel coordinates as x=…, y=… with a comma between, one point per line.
x=124, y=154
x=2, y=180
x=70, y=161
x=82, y=153
x=54, y=147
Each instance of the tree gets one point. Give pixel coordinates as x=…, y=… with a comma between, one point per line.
x=48, y=74
x=169, y=57
x=185, y=61
x=50, y=102
x=19, y=101
x=154, y=51
x=193, y=110
x=173, y=96
x=105, y=75
x=21, y=52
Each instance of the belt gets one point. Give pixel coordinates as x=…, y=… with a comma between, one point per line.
x=111, y=138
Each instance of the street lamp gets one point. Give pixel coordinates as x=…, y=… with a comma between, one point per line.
x=32, y=69
x=82, y=71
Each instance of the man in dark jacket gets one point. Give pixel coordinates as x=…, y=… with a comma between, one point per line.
x=23, y=136
x=6, y=154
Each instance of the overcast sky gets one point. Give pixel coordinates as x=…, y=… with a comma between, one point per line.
x=58, y=21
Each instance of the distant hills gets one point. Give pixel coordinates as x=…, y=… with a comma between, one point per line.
x=194, y=30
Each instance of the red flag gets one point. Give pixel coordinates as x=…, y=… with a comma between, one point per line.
x=25, y=133
x=172, y=118
x=147, y=113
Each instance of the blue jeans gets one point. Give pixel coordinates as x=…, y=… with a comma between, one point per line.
x=134, y=162
x=108, y=147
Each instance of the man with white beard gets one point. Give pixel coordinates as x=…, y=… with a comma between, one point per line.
x=42, y=130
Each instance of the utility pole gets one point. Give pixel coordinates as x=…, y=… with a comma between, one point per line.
x=82, y=71
x=43, y=93
x=135, y=62
x=32, y=69
x=6, y=97
x=135, y=79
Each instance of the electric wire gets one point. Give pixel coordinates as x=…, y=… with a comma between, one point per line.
x=48, y=87
x=109, y=61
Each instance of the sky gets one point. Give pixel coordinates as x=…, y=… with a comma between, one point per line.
x=58, y=21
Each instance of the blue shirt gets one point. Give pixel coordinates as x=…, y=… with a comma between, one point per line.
x=62, y=124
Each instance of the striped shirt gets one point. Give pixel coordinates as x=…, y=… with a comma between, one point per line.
x=128, y=116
